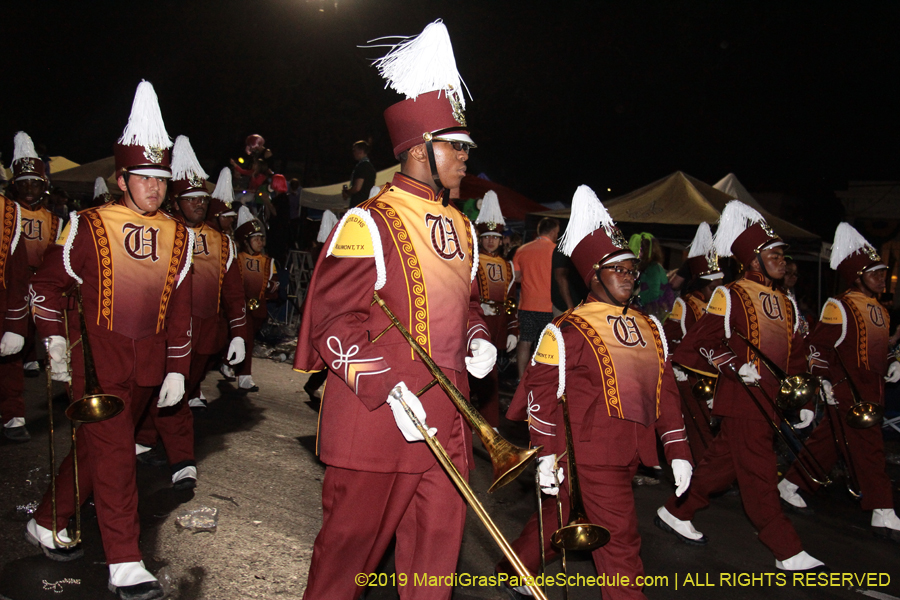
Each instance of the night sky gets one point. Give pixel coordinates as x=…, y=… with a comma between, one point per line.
x=791, y=97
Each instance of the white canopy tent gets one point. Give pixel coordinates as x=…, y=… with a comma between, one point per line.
x=329, y=196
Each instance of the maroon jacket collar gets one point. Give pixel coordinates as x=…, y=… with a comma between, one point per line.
x=755, y=277
x=415, y=187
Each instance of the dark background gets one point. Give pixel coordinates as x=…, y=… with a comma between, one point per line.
x=794, y=97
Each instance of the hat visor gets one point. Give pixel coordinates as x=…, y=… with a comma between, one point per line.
x=227, y=213
x=490, y=233
x=876, y=267
x=713, y=276
x=150, y=172
x=773, y=244
x=618, y=257
x=29, y=176
x=194, y=194
x=455, y=136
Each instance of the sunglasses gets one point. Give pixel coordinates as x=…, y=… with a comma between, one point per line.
x=459, y=146
x=619, y=270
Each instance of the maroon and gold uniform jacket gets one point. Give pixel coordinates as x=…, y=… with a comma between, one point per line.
x=217, y=288
x=135, y=277
x=40, y=228
x=686, y=311
x=496, y=278
x=858, y=328
x=258, y=274
x=13, y=270
x=420, y=257
x=765, y=316
x=618, y=381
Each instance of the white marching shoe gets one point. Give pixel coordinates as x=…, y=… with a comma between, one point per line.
x=801, y=562
x=788, y=493
x=683, y=529
x=43, y=538
x=131, y=581
x=886, y=524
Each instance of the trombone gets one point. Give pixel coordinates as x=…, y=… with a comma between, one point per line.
x=863, y=414
x=774, y=403
x=508, y=460
x=843, y=450
x=94, y=406
x=466, y=490
x=794, y=390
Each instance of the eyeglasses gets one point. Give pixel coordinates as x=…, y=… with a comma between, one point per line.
x=619, y=270
x=458, y=146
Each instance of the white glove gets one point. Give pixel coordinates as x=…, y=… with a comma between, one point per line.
x=406, y=426
x=679, y=374
x=59, y=363
x=682, y=470
x=511, y=342
x=488, y=310
x=549, y=483
x=11, y=343
x=484, y=355
x=749, y=374
x=236, y=351
x=172, y=390
x=806, y=418
x=893, y=375
x=829, y=393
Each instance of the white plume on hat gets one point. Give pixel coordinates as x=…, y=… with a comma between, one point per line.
x=244, y=216
x=100, y=187
x=847, y=240
x=490, y=210
x=184, y=161
x=703, y=242
x=328, y=223
x=224, y=190
x=588, y=214
x=421, y=64
x=23, y=147
x=145, y=124
x=735, y=218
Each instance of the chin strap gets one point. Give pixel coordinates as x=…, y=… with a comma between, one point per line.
x=443, y=193
x=762, y=269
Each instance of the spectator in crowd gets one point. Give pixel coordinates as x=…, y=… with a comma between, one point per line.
x=363, y=177
x=567, y=289
x=533, y=265
x=279, y=235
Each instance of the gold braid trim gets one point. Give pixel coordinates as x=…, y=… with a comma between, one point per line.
x=862, y=350
x=6, y=236
x=223, y=261
x=177, y=254
x=604, y=360
x=104, y=257
x=752, y=322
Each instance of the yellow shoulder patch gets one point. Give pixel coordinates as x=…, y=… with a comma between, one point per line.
x=548, y=350
x=63, y=236
x=677, y=311
x=831, y=314
x=718, y=304
x=354, y=239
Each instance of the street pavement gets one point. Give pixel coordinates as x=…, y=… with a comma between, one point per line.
x=258, y=469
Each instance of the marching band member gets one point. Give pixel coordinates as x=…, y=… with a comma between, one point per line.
x=217, y=308
x=39, y=229
x=705, y=277
x=495, y=282
x=612, y=364
x=754, y=308
x=855, y=325
x=132, y=264
x=418, y=253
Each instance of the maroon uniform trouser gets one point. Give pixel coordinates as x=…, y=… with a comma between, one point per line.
x=363, y=511
x=488, y=388
x=12, y=384
x=256, y=323
x=696, y=420
x=175, y=424
x=609, y=502
x=866, y=449
x=743, y=451
x=106, y=468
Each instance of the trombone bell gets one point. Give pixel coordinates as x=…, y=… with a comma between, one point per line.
x=796, y=391
x=580, y=535
x=704, y=389
x=865, y=415
x=93, y=408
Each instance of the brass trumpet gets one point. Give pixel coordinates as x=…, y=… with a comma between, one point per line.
x=795, y=390
x=507, y=459
x=579, y=534
x=94, y=406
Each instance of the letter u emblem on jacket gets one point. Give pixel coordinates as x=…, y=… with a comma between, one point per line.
x=140, y=241
x=444, y=238
x=626, y=331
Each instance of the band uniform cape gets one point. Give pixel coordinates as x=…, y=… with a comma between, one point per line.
x=132, y=269
x=13, y=269
x=40, y=228
x=858, y=328
x=686, y=311
x=421, y=258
